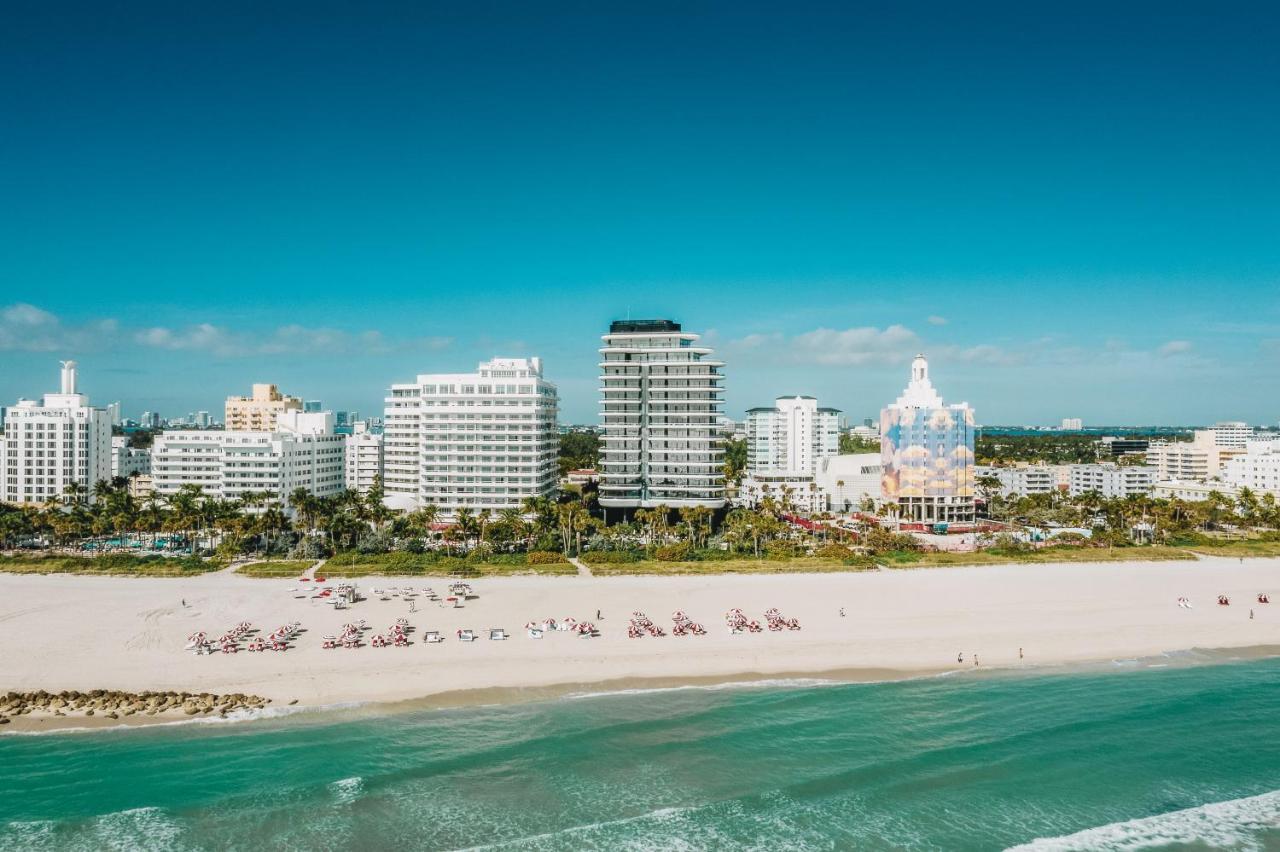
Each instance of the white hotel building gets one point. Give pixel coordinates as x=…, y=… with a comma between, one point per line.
x=482, y=440
x=786, y=446
x=1257, y=469
x=660, y=415
x=302, y=452
x=51, y=444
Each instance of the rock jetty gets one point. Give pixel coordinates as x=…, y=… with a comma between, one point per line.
x=115, y=704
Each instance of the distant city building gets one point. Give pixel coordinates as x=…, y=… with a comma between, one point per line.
x=926, y=449
x=1232, y=434
x=113, y=413
x=150, y=420
x=258, y=413
x=52, y=444
x=311, y=406
x=300, y=451
x=482, y=440
x=203, y=419
x=1111, y=480
x=660, y=412
x=364, y=458
x=1110, y=445
x=865, y=433
x=845, y=481
x=141, y=486
x=1072, y=424
x=126, y=460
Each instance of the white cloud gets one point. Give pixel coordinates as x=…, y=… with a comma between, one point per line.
x=1174, y=347
x=27, y=328
x=934, y=319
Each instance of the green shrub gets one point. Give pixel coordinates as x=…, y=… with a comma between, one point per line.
x=833, y=551
x=678, y=552
x=544, y=557
x=612, y=557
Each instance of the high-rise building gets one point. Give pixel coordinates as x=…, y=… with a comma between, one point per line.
x=482, y=440
x=52, y=444
x=786, y=446
x=660, y=412
x=792, y=436
x=364, y=458
x=113, y=413
x=926, y=448
x=1072, y=424
x=312, y=405
x=300, y=451
x=258, y=413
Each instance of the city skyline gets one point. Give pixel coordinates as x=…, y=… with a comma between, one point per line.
x=823, y=194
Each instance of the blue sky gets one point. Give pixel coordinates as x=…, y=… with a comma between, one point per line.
x=1074, y=210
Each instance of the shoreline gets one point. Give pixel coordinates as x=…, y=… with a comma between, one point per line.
x=95, y=632
x=498, y=696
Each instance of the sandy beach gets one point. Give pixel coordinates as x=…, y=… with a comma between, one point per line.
x=74, y=632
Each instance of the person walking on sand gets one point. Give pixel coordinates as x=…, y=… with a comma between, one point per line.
x=1019, y=653
x=975, y=661
x=960, y=657
x=598, y=618
x=1251, y=615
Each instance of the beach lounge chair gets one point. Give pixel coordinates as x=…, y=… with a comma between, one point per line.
x=432, y=636
x=535, y=632
x=467, y=635
x=497, y=633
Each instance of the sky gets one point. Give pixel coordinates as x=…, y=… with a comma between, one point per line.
x=1072, y=209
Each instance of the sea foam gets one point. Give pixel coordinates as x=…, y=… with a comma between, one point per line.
x=1235, y=824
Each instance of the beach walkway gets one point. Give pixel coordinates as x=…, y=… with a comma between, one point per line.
x=583, y=570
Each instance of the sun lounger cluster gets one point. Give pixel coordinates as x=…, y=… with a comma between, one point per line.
x=537, y=629
x=394, y=637
x=777, y=622
x=349, y=638
x=1223, y=600
x=685, y=626
x=229, y=642
x=277, y=640
x=642, y=624
x=738, y=622
x=1264, y=598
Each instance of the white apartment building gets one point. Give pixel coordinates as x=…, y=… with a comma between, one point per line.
x=1022, y=480
x=792, y=436
x=126, y=460
x=482, y=440
x=660, y=412
x=1072, y=424
x=1110, y=480
x=258, y=412
x=1257, y=469
x=302, y=451
x=364, y=458
x=51, y=444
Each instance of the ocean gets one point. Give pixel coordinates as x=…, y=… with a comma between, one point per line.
x=1127, y=756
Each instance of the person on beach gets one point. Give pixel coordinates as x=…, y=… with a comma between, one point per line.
x=1019, y=653
x=598, y=617
x=975, y=661
x=842, y=612
x=960, y=657
x=1251, y=615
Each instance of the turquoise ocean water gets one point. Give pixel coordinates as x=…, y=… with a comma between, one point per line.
x=1183, y=757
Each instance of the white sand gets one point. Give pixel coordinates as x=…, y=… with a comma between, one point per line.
x=70, y=632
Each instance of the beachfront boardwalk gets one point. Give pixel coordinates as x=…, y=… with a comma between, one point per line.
x=583, y=570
